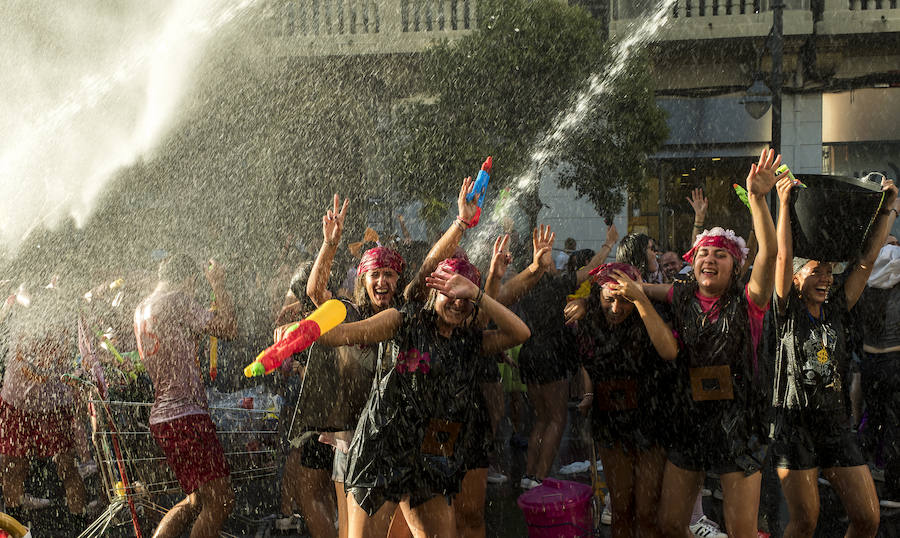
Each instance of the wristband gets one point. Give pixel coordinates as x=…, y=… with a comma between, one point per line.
x=331, y=243
x=586, y=394
x=700, y=225
x=463, y=225
x=478, y=297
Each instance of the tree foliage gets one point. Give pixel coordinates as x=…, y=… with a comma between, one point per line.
x=495, y=91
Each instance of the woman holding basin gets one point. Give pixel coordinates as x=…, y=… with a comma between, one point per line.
x=812, y=426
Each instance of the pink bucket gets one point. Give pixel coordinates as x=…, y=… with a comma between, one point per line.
x=557, y=509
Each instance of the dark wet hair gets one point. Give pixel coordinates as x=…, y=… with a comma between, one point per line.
x=178, y=267
x=633, y=250
x=298, y=286
x=579, y=259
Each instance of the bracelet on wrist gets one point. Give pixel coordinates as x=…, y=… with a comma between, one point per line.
x=478, y=297
x=586, y=394
x=331, y=243
x=462, y=223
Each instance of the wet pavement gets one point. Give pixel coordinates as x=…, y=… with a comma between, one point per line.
x=256, y=502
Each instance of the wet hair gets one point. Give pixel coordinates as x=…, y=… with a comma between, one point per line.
x=579, y=259
x=633, y=250
x=299, y=280
x=178, y=267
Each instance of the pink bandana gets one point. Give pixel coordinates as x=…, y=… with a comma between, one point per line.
x=463, y=267
x=380, y=257
x=603, y=274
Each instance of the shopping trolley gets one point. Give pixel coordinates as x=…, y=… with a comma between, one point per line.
x=133, y=469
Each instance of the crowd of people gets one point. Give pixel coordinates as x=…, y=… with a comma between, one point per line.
x=731, y=359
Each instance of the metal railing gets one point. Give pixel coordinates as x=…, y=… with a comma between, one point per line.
x=362, y=17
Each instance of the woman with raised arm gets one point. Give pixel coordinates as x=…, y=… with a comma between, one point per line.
x=406, y=450
x=549, y=357
x=812, y=425
x=719, y=324
x=630, y=338
x=378, y=281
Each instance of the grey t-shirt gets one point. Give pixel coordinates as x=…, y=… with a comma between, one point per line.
x=168, y=326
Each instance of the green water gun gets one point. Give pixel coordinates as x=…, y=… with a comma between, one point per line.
x=742, y=194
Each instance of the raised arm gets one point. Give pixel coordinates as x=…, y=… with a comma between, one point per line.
x=510, y=332
x=656, y=292
x=700, y=204
x=332, y=228
x=660, y=333
x=612, y=235
x=371, y=330
x=443, y=249
x=856, y=280
x=784, y=266
x=542, y=245
x=760, y=181
x=224, y=322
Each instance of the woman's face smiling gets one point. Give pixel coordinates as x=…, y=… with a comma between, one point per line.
x=453, y=312
x=381, y=285
x=713, y=269
x=814, y=280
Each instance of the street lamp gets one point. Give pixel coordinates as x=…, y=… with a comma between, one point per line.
x=758, y=99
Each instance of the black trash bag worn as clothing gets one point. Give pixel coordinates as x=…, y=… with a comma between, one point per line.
x=724, y=413
x=549, y=355
x=414, y=431
x=336, y=384
x=626, y=374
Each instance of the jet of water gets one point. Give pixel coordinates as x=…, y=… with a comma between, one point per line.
x=570, y=120
x=65, y=140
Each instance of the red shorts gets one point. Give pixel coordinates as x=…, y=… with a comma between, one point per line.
x=24, y=434
x=192, y=450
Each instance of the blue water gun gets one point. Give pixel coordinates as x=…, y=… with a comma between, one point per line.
x=480, y=189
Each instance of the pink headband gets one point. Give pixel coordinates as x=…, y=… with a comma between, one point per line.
x=603, y=274
x=461, y=266
x=720, y=238
x=379, y=257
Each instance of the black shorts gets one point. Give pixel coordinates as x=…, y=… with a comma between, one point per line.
x=538, y=370
x=316, y=455
x=488, y=369
x=702, y=443
x=814, y=439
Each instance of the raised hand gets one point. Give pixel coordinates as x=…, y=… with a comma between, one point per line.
x=453, y=285
x=466, y=209
x=700, y=204
x=575, y=310
x=890, y=192
x=630, y=290
x=542, y=240
x=783, y=187
x=501, y=257
x=762, y=176
x=333, y=221
x=612, y=235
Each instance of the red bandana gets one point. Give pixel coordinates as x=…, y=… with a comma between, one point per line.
x=461, y=266
x=603, y=274
x=379, y=257
x=716, y=241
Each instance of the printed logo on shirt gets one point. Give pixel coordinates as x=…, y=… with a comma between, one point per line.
x=413, y=360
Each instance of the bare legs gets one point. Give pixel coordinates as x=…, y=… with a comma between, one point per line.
x=634, y=480
x=549, y=402
x=853, y=485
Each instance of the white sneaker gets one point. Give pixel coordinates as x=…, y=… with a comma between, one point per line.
x=717, y=494
x=877, y=474
x=529, y=482
x=495, y=477
x=34, y=503
x=606, y=516
x=887, y=503
x=289, y=523
x=706, y=528
x=705, y=492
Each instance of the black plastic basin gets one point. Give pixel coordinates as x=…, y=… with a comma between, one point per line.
x=831, y=218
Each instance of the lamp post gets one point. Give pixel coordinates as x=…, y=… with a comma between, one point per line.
x=776, y=47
